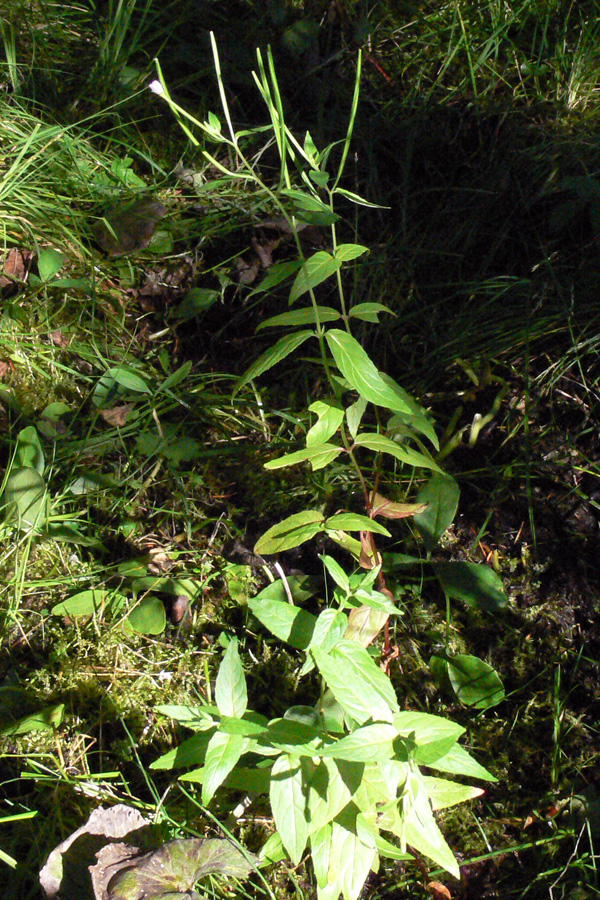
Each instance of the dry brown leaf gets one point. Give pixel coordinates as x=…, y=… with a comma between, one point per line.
x=59, y=339
x=389, y=509
x=369, y=555
x=247, y=272
x=15, y=266
x=117, y=416
x=439, y=891
x=6, y=367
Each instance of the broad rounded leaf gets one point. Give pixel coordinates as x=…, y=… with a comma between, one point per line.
x=441, y=495
x=176, y=867
x=474, y=682
x=85, y=603
x=148, y=617
x=288, y=623
x=28, y=452
x=475, y=584
x=25, y=499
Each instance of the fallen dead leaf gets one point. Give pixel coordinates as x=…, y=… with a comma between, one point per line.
x=438, y=891
x=59, y=339
x=15, y=267
x=118, y=415
x=6, y=367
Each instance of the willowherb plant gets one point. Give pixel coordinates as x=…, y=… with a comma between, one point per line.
x=349, y=768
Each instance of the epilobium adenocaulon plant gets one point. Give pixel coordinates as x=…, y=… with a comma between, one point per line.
x=353, y=767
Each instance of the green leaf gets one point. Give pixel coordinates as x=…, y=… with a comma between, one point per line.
x=46, y=719
x=360, y=201
x=475, y=584
x=231, y=695
x=25, y=499
x=148, y=616
x=360, y=372
x=176, y=377
x=189, y=753
x=222, y=755
x=329, y=787
x=272, y=356
x=318, y=456
x=354, y=522
x=317, y=269
x=346, y=252
x=354, y=415
x=474, y=682
x=433, y=735
x=196, y=301
x=308, y=315
x=381, y=444
x=292, y=532
x=330, y=417
x=350, y=859
x=369, y=312
x=49, y=263
x=128, y=379
x=420, y=828
x=336, y=572
x=459, y=762
x=443, y=793
x=366, y=744
x=277, y=273
x=28, y=452
x=357, y=682
x=288, y=804
x=310, y=209
x=441, y=494
x=289, y=623
x=86, y=603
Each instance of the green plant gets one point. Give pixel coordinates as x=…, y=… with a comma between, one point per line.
x=349, y=767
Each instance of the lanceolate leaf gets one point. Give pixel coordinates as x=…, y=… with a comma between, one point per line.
x=230, y=688
x=360, y=372
x=288, y=804
x=222, y=754
x=330, y=417
x=459, y=762
x=354, y=522
x=357, y=683
x=369, y=312
x=366, y=744
x=421, y=830
x=306, y=316
x=318, y=456
x=351, y=859
x=273, y=355
x=347, y=252
x=317, y=269
x=443, y=793
x=381, y=444
x=292, y=532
